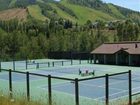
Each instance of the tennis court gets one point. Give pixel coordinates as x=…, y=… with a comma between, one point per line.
x=95, y=88
x=90, y=90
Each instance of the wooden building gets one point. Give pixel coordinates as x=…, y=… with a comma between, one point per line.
x=123, y=53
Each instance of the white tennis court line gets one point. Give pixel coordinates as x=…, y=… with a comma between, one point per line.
x=101, y=86
x=56, y=84
x=103, y=97
x=119, y=93
x=110, y=83
x=64, y=84
x=99, y=98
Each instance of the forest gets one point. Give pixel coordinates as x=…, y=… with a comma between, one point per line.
x=34, y=39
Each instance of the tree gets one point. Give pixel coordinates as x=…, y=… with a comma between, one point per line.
x=89, y=24
x=127, y=31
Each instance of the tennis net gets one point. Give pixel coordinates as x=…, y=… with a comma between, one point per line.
x=63, y=70
x=51, y=64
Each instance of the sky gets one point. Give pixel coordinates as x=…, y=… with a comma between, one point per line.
x=131, y=4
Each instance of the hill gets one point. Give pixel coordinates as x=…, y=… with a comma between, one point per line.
x=35, y=12
x=80, y=11
x=17, y=13
x=116, y=12
x=75, y=10
x=85, y=13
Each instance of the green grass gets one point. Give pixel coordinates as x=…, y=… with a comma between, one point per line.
x=35, y=12
x=41, y=1
x=85, y=13
x=2, y=31
x=115, y=11
x=5, y=100
x=62, y=13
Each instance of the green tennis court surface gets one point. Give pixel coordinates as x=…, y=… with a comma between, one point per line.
x=91, y=91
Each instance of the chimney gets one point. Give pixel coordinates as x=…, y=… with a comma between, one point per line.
x=136, y=45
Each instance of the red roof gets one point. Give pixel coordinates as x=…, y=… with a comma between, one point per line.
x=111, y=48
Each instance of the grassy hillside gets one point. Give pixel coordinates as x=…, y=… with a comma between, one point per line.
x=62, y=13
x=35, y=12
x=72, y=11
x=85, y=13
x=115, y=12
x=20, y=14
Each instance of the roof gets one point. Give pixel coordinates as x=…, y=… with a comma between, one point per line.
x=111, y=48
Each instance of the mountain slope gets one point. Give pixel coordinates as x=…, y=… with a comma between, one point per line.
x=85, y=13
x=17, y=13
x=115, y=11
x=94, y=4
x=75, y=10
x=35, y=12
x=62, y=13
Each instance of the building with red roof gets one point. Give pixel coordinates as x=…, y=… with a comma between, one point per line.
x=122, y=53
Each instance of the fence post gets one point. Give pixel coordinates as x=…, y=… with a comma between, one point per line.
x=0, y=65
x=14, y=64
x=88, y=61
x=62, y=63
x=26, y=62
x=130, y=87
x=91, y=59
x=53, y=64
x=80, y=61
x=76, y=91
x=71, y=62
x=107, y=89
x=10, y=83
x=28, y=85
x=48, y=64
x=49, y=89
x=37, y=65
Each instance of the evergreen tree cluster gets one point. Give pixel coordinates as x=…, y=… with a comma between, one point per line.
x=128, y=31
x=24, y=3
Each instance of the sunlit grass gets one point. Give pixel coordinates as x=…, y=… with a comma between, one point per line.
x=85, y=13
x=35, y=12
x=7, y=101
